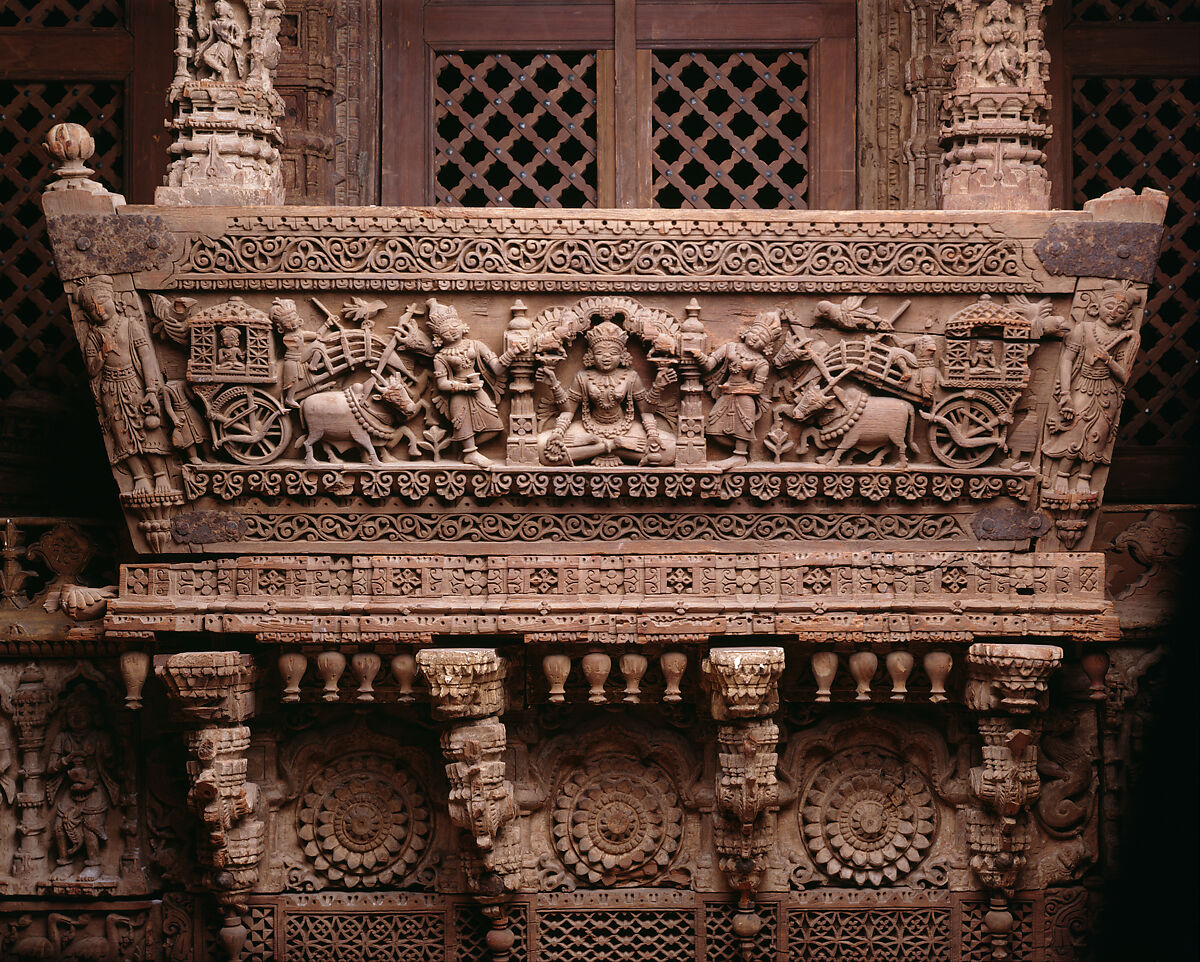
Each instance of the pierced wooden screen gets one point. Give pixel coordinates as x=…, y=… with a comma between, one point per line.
x=37, y=346
x=1145, y=132
x=62, y=13
x=515, y=129
x=1136, y=11
x=730, y=129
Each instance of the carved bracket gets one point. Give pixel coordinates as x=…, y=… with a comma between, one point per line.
x=214, y=690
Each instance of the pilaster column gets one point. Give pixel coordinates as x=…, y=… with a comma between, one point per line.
x=744, y=685
x=996, y=108
x=1007, y=684
x=214, y=691
x=467, y=689
x=224, y=110
x=32, y=703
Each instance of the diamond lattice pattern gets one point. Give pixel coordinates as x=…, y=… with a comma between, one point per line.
x=1138, y=11
x=616, y=936
x=1137, y=133
x=62, y=13
x=730, y=129
x=880, y=935
x=37, y=346
x=515, y=129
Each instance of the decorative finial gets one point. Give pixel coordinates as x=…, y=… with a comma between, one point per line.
x=72, y=146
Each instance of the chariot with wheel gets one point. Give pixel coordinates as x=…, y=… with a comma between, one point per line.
x=981, y=370
x=234, y=370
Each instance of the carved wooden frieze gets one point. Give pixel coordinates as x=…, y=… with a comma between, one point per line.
x=292, y=381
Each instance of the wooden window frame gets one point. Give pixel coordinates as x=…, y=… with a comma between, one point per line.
x=623, y=33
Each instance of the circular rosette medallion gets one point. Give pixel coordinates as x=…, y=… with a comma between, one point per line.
x=364, y=822
x=617, y=823
x=867, y=818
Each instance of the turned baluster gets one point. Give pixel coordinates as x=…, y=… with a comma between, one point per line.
x=633, y=667
x=135, y=666
x=292, y=666
x=404, y=671
x=330, y=665
x=824, y=667
x=863, y=665
x=674, y=664
x=899, y=667
x=937, y=667
x=556, y=668
x=1095, y=666
x=366, y=666
x=596, y=668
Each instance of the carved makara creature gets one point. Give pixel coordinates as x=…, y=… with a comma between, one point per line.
x=362, y=413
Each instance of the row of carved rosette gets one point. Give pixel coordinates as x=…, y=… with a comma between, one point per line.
x=1006, y=687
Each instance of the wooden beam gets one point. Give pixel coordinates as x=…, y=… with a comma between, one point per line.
x=497, y=26
x=66, y=54
x=405, y=151
x=146, y=136
x=1132, y=49
x=731, y=25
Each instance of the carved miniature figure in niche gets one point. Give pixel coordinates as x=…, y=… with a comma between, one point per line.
x=616, y=420
x=1096, y=361
x=998, y=54
x=221, y=51
x=230, y=355
x=189, y=430
x=737, y=376
x=80, y=787
x=461, y=365
x=119, y=360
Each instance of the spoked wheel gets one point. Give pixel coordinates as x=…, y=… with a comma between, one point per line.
x=253, y=428
x=965, y=432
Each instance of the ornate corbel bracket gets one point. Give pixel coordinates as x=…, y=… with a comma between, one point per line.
x=744, y=684
x=214, y=691
x=466, y=686
x=1007, y=684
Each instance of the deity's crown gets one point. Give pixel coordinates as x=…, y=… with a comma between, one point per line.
x=439, y=314
x=606, y=332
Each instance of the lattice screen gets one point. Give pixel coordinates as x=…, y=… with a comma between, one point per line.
x=1146, y=133
x=61, y=13
x=1137, y=11
x=730, y=129
x=37, y=347
x=874, y=935
x=616, y=936
x=515, y=129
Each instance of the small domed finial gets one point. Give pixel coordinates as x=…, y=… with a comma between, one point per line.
x=72, y=146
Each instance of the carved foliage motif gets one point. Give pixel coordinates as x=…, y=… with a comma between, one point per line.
x=364, y=821
x=868, y=817
x=617, y=822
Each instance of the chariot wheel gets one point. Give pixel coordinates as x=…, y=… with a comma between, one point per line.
x=964, y=432
x=253, y=427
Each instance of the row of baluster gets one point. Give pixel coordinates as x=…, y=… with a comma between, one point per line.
x=597, y=668
x=863, y=666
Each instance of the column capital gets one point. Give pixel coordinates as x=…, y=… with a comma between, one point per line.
x=744, y=682
x=464, y=682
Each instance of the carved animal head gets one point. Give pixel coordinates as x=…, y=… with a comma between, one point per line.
x=810, y=401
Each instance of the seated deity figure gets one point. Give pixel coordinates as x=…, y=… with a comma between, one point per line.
x=461, y=366
x=607, y=415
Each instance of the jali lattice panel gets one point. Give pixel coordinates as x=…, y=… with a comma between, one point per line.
x=515, y=129
x=730, y=129
x=61, y=13
x=869, y=935
x=616, y=935
x=1145, y=132
x=37, y=346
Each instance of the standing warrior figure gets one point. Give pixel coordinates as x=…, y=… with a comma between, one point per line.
x=119, y=358
x=222, y=50
x=81, y=756
x=1097, y=359
x=737, y=374
x=460, y=365
x=616, y=417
